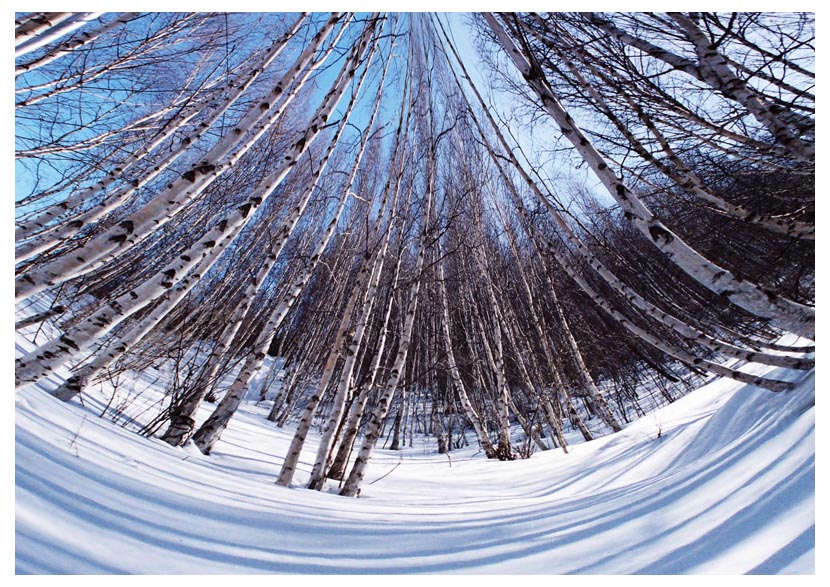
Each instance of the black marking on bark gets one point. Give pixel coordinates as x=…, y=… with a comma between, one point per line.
x=660, y=234
x=190, y=176
x=69, y=342
x=245, y=209
x=264, y=106
x=127, y=226
x=76, y=224
x=185, y=258
x=119, y=238
x=223, y=225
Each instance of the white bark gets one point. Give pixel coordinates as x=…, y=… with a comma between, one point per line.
x=374, y=268
x=681, y=174
x=351, y=345
x=338, y=467
x=715, y=71
x=630, y=295
x=292, y=457
x=37, y=23
x=353, y=483
x=734, y=90
x=35, y=38
x=72, y=44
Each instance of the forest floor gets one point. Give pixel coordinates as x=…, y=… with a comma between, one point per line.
x=721, y=481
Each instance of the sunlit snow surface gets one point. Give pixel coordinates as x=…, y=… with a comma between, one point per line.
x=727, y=487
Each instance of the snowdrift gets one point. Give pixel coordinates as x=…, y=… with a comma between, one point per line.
x=721, y=481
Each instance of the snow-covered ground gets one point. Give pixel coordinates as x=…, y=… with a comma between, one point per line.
x=721, y=481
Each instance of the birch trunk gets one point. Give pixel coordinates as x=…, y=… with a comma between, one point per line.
x=36, y=37
x=181, y=428
x=211, y=431
x=679, y=173
x=716, y=77
x=38, y=23
x=715, y=71
x=593, y=393
x=355, y=339
x=293, y=456
x=72, y=44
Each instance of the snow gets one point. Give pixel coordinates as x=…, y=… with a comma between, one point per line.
x=722, y=481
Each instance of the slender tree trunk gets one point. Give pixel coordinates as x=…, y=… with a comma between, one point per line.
x=31, y=38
